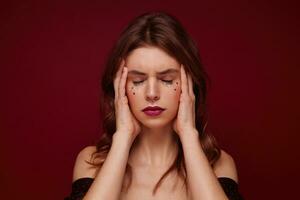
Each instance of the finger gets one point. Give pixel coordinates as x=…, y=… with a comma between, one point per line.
x=191, y=95
x=117, y=78
x=123, y=83
x=184, y=81
x=190, y=81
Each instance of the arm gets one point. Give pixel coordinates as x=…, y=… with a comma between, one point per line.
x=201, y=178
x=108, y=182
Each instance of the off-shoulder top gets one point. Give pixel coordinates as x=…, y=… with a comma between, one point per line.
x=81, y=186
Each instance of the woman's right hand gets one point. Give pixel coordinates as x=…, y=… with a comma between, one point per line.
x=126, y=124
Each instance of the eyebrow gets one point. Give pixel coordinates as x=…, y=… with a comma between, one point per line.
x=167, y=71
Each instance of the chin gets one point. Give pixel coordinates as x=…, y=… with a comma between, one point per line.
x=155, y=123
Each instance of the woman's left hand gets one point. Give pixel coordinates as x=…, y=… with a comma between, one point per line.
x=185, y=120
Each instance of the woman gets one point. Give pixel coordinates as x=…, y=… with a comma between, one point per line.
x=154, y=143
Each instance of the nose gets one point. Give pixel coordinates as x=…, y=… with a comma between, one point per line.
x=152, y=93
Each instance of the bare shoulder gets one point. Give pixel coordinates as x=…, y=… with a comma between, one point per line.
x=225, y=166
x=83, y=169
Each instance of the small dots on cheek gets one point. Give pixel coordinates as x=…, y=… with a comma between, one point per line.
x=176, y=86
x=132, y=90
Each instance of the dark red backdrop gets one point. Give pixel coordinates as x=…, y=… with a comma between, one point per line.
x=52, y=55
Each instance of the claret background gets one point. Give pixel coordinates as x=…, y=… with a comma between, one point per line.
x=51, y=59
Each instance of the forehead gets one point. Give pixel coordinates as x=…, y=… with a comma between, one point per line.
x=150, y=59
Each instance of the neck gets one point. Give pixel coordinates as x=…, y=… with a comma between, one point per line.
x=154, y=148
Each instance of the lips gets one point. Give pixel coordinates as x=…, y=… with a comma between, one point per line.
x=153, y=108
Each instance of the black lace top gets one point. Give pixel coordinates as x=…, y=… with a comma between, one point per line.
x=81, y=186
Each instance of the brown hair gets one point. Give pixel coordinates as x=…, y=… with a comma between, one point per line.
x=164, y=31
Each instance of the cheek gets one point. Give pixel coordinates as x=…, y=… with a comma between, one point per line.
x=175, y=90
x=131, y=94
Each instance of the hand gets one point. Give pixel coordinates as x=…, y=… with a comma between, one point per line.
x=185, y=120
x=126, y=123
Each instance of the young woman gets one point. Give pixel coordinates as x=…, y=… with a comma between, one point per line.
x=154, y=143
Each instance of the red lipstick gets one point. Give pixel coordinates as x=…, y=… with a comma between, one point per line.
x=153, y=110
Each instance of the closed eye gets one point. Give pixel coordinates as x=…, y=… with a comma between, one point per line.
x=137, y=82
x=168, y=81
x=165, y=81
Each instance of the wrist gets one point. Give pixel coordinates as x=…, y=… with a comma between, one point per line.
x=122, y=138
x=120, y=146
x=189, y=133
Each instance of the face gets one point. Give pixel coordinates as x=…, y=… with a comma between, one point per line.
x=153, y=80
